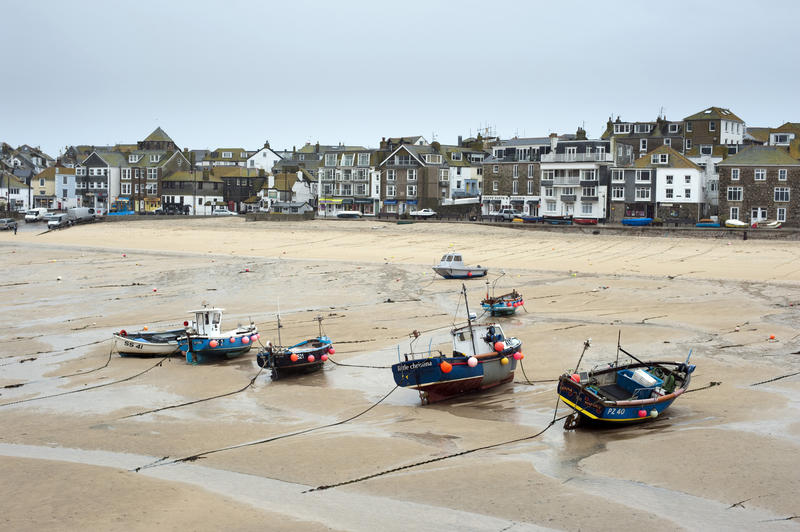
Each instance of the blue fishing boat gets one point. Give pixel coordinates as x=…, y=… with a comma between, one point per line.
x=205, y=341
x=303, y=357
x=707, y=223
x=482, y=358
x=504, y=305
x=627, y=393
x=637, y=221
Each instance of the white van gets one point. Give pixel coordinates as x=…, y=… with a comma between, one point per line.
x=35, y=215
x=81, y=214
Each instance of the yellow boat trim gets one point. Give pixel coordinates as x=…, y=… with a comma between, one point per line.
x=586, y=413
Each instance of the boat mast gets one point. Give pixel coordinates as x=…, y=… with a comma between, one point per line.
x=469, y=320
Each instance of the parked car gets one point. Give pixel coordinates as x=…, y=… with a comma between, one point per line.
x=35, y=215
x=223, y=211
x=59, y=220
x=506, y=214
x=82, y=214
x=424, y=213
x=8, y=223
x=348, y=214
x=49, y=216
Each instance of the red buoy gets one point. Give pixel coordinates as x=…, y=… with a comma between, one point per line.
x=293, y=357
x=499, y=346
x=446, y=366
x=642, y=413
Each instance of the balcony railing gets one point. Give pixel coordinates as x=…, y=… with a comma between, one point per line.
x=567, y=181
x=576, y=157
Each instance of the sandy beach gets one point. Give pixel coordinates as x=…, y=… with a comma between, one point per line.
x=75, y=454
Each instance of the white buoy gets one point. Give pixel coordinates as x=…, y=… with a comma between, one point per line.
x=654, y=413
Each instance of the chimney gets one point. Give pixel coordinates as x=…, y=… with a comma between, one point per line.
x=553, y=141
x=383, y=143
x=460, y=141
x=316, y=147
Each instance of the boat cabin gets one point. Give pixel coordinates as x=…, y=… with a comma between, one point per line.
x=452, y=259
x=485, y=337
x=207, y=321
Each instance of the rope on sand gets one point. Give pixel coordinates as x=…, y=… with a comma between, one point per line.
x=108, y=361
x=777, y=378
x=192, y=458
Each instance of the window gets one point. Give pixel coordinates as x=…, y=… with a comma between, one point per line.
x=673, y=128
x=760, y=174
x=643, y=128
x=781, y=139
x=618, y=193
x=622, y=128
x=152, y=173
x=687, y=179
x=670, y=179
x=495, y=169
x=659, y=158
x=132, y=158
x=687, y=193
x=391, y=191
x=642, y=144
x=327, y=189
x=515, y=170
x=712, y=126
x=41, y=181
x=530, y=187
x=781, y=174
x=495, y=186
x=643, y=176
x=363, y=159
x=432, y=158
x=781, y=193
x=550, y=192
x=227, y=155
x=734, y=213
x=347, y=159
x=667, y=142
x=734, y=193
x=588, y=150
x=572, y=153
x=734, y=174
x=781, y=216
x=688, y=127
x=455, y=155
x=126, y=173
x=444, y=174
x=705, y=149
x=588, y=175
x=531, y=170
x=688, y=144
x=154, y=158
x=243, y=155
x=411, y=191
x=643, y=193
x=391, y=175
x=412, y=174
x=125, y=188
x=618, y=175
x=551, y=206
x=668, y=193
x=330, y=159
x=515, y=186
x=548, y=175
x=733, y=149
x=589, y=191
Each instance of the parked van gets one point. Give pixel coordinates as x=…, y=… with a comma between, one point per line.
x=35, y=215
x=57, y=221
x=81, y=214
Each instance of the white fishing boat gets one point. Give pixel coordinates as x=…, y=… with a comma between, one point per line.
x=452, y=267
x=146, y=343
x=735, y=224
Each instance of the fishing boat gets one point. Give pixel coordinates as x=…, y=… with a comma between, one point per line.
x=204, y=339
x=585, y=221
x=146, y=344
x=623, y=393
x=452, y=267
x=735, y=224
x=482, y=358
x=557, y=220
x=637, y=222
x=504, y=305
x=303, y=357
x=768, y=224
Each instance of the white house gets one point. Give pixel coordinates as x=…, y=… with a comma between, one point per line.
x=263, y=159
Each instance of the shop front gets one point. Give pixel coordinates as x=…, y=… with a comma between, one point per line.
x=491, y=204
x=528, y=205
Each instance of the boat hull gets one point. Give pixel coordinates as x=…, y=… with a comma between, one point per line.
x=637, y=222
x=147, y=344
x=198, y=349
x=279, y=359
x=427, y=376
x=460, y=273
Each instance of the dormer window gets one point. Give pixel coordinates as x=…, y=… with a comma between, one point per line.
x=781, y=138
x=643, y=128
x=132, y=158
x=347, y=159
x=227, y=155
x=706, y=149
x=154, y=158
x=433, y=158
x=673, y=128
x=363, y=159
x=455, y=155
x=243, y=155
x=659, y=158
x=622, y=128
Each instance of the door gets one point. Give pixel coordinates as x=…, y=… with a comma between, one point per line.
x=758, y=214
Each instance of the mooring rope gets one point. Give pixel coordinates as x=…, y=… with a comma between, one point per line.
x=160, y=362
x=437, y=459
x=192, y=458
x=777, y=378
x=108, y=361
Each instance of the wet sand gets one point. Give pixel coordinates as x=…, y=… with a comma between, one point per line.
x=70, y=461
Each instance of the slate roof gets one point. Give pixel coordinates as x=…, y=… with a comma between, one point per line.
x=761, y=155
x=676, y=160
x=158, y=135
x=714, y=113
x=759, y=134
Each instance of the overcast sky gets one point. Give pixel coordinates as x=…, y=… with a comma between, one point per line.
x=237, y=73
